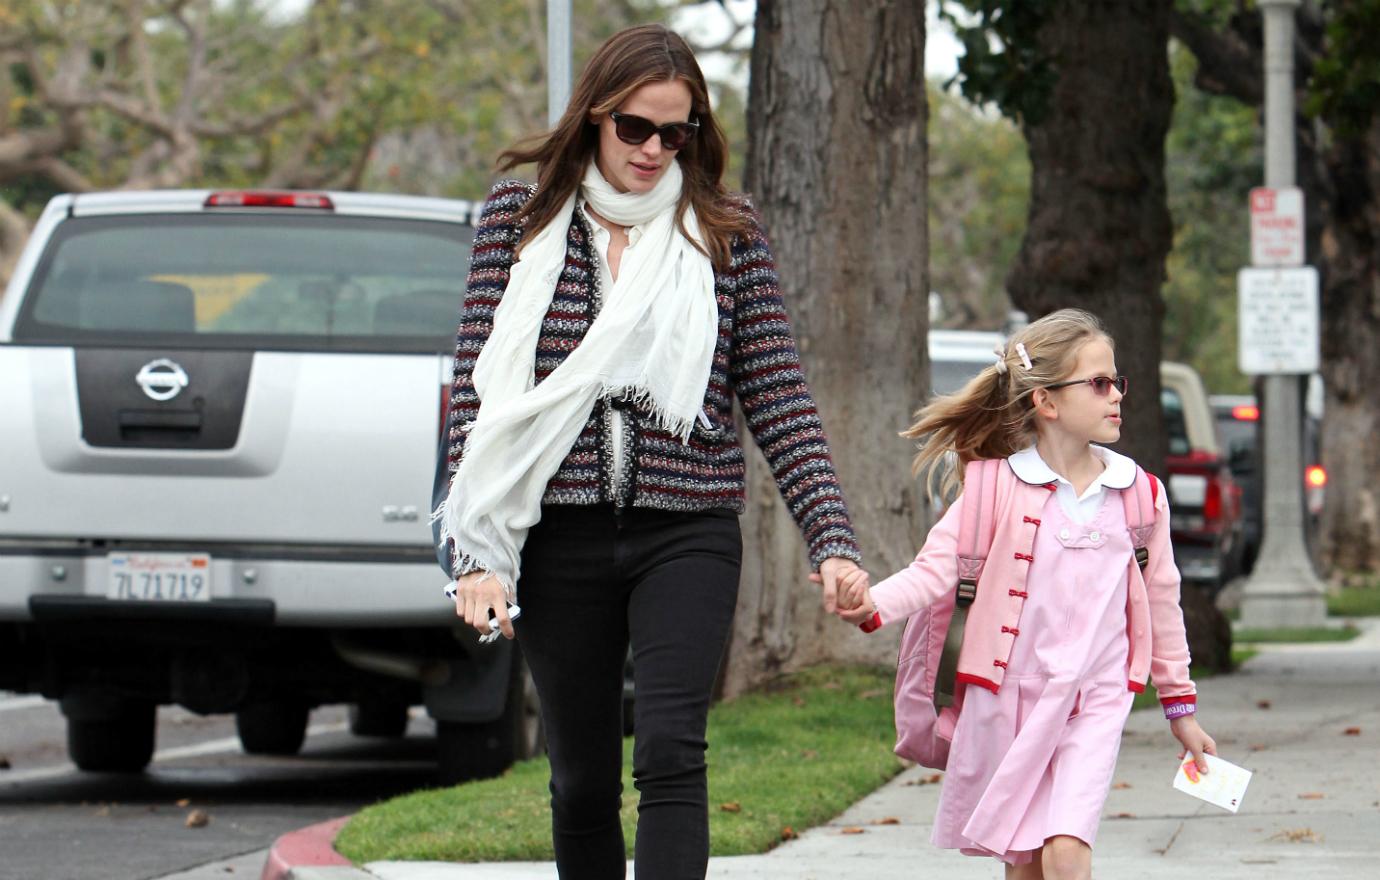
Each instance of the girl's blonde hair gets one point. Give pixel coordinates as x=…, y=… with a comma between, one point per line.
x=993, y=415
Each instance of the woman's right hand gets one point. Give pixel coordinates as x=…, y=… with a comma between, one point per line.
x=476, y=594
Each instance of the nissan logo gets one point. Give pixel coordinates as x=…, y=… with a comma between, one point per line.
x=162, y=379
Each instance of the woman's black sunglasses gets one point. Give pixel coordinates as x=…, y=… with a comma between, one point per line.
x=635, y=130
x=1101, y=384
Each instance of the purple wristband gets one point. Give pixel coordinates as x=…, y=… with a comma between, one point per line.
x=1179, y=710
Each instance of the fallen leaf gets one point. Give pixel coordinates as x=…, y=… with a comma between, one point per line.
x=1263, y=704
x=731, y=807
x=798, y=701
x=1124, y=816
x=103, y=811
x=1120, y=786
x=1258, y=747
x=1352, y=731
x=889, y=820
x=871, y=695
x=832, y=685
x=809, y=753
x=1312, y=796
x=184, y=803
x=4, y=762
x=852, y=829
x=934, y=778
x=1297, y=835
x=198, y=819
x=788, y=833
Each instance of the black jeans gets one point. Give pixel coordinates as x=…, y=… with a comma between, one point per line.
x=592, y=582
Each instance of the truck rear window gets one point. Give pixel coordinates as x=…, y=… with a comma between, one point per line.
x=291, y=281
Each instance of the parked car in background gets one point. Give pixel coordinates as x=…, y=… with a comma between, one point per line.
x=1239, y=418
x=1206, y=522
x=221, y=413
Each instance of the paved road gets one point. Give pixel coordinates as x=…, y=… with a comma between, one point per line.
x=57, y=823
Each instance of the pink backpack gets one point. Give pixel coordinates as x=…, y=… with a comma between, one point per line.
x=927, y=700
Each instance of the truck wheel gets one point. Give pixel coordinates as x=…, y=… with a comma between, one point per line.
x=119, y=744
x=467, y=751
x=373, y=718
x=272, y=728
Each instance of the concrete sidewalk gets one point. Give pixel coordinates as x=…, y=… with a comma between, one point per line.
x=1305, y=719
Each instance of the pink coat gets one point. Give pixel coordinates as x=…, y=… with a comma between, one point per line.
x=1155, y=624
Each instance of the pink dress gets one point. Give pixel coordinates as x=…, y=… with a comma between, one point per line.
x=1035, y=759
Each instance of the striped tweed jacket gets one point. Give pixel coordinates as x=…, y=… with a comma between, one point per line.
x=755, y=360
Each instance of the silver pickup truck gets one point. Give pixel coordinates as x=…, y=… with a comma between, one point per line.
x=219, y=419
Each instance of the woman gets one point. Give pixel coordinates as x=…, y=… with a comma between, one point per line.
x=613, y=311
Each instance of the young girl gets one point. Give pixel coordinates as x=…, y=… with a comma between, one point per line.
x=1074, y=625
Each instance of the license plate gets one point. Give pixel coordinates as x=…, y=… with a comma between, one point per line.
x=160, y=577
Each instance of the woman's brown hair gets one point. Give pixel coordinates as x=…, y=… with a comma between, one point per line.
x=993, y=416
x=629, y=60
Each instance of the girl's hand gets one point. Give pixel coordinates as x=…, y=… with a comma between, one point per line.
x=1194, y=739
x=835, y=572
x=476, y=594
x=864, y=609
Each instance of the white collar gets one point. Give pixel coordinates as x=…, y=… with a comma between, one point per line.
x=1119, y=472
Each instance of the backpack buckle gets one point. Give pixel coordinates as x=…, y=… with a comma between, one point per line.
x=967, y=592
x=1142, y=557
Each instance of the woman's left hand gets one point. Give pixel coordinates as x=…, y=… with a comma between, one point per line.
x=1194, y=739
x=839, y=576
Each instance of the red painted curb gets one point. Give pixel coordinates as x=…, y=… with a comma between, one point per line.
x=307, y=846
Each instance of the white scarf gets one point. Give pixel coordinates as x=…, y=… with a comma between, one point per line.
x=652, y=342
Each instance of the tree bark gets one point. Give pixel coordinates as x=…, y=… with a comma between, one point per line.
x=1349, y=260
x=1099, y=227
x=836, y=165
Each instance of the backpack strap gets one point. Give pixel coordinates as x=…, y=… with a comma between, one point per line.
x=977, y=526
x=1140, y=499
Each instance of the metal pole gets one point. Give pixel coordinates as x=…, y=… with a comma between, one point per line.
x=558, y=54
x=1283, y=589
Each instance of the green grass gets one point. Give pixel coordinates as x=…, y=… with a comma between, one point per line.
x=1296, y=634
x=794, y=755
x=1355, y=601
x=1150, y=697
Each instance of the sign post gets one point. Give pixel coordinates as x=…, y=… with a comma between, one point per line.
x=1279, y=339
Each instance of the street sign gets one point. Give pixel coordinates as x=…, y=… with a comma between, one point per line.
x=1277, y=226
x=1277, y=320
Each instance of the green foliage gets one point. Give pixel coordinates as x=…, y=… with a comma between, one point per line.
x=1345, y=87
x=793, y=755
x=1002, y=63
x=979, y=192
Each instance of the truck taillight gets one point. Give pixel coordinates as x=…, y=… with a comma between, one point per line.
x=1212, y=501
x=445, y=407
x=1315, y=476
x=1246, y=413
x=268, y=199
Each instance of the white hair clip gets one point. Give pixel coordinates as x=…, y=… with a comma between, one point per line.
x=1000, y=352
x=1025, y=358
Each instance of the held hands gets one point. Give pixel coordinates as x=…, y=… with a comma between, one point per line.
x=845, y=590
x=478, y=593
x=1194, y=739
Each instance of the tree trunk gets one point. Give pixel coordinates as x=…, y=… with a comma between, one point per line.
x=14, y=231
x=1099, y=227
x=837, y=167
x=1350, y=263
